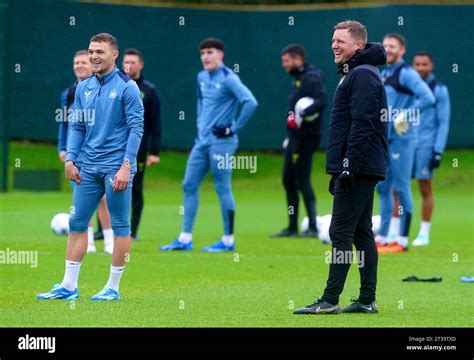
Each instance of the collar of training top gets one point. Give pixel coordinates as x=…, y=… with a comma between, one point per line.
x=104, y=78
x=372, y=54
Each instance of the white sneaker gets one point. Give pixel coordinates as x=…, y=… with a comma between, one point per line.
x=421, y=241
x=91, y=248
x=109, y=248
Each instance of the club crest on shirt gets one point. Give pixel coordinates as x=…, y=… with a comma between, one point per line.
x=112, y=94
x=218, y=85
x=87, y=95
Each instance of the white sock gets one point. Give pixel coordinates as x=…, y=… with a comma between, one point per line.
x=228, y=240
x=114, y=277
x=402, y=241
x=108, y=236
x=185, y=237
x=425, y=229
x=71, y=274
x=381, y=239
x=394, y=226
x=90, y=235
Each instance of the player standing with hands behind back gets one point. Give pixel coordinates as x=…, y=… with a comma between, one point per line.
x=356, y=158
x=111, y=139
x=220, y=93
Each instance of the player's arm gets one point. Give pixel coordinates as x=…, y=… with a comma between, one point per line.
x=198, y=97
x=365, y=91
x=424, y=97
x=133, y=109
x=154, y=113
x=245, y=98
x=443, y=114
x=313, y=87
x=75, y=138
x=62, y=130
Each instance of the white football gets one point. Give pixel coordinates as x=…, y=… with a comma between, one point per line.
x=323, y=223
x=303, y=104
x=60, y=224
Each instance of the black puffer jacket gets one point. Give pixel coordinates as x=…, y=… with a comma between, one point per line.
x=356, y=129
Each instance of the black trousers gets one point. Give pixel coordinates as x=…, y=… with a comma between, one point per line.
x=351, y=223
x=137, y=191
x=297, y=166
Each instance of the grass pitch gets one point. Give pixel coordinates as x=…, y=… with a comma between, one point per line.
x=259, y=284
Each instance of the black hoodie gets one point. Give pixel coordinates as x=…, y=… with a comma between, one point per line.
x=356, y=131
x=309, y=81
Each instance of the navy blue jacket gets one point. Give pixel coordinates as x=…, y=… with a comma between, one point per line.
x=309, y=81
x=356, y=131
x=151, y=139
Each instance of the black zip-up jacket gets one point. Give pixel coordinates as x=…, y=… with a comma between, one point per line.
x=151, y=139
x=356, y=130
x=308, y=82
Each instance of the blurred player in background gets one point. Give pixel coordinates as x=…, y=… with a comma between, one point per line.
x=219, y=95
x=432, y=138
x=132, y=65
x=83, y=69
x=107, y=128
x=304, y=133
x=408, y=95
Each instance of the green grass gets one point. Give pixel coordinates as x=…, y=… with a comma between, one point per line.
x=254, y=287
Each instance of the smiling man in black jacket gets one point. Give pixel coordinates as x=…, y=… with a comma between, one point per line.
x=356, y=159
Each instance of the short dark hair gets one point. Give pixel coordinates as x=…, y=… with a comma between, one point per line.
x=211, y=43
x=81, y=52
x=107, y=38
x=401, y=39
x=424, y=53
x=357, y=30
x=133, y=51
x=295, y=50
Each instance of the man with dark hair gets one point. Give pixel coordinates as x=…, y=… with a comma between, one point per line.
x=356, y=159
x=408, y=96
x=304, y=119
x=432, y=137
x=108, y=127
x=220, y=93
x=82, y=68
x=132, y=65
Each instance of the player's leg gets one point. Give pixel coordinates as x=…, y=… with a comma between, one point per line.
x=291, y=191
x=303, y=183
x=196, y=167
x=402, y=171
x=86, y=197
x=424, y=176
x=394, y=229
x=106, y=226
x=220, y=156
x=385, y=191
x=119, y=204
x=137, y=193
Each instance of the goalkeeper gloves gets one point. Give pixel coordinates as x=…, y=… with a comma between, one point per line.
x=222, y=132
x=435, y=160
x=400, y=123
